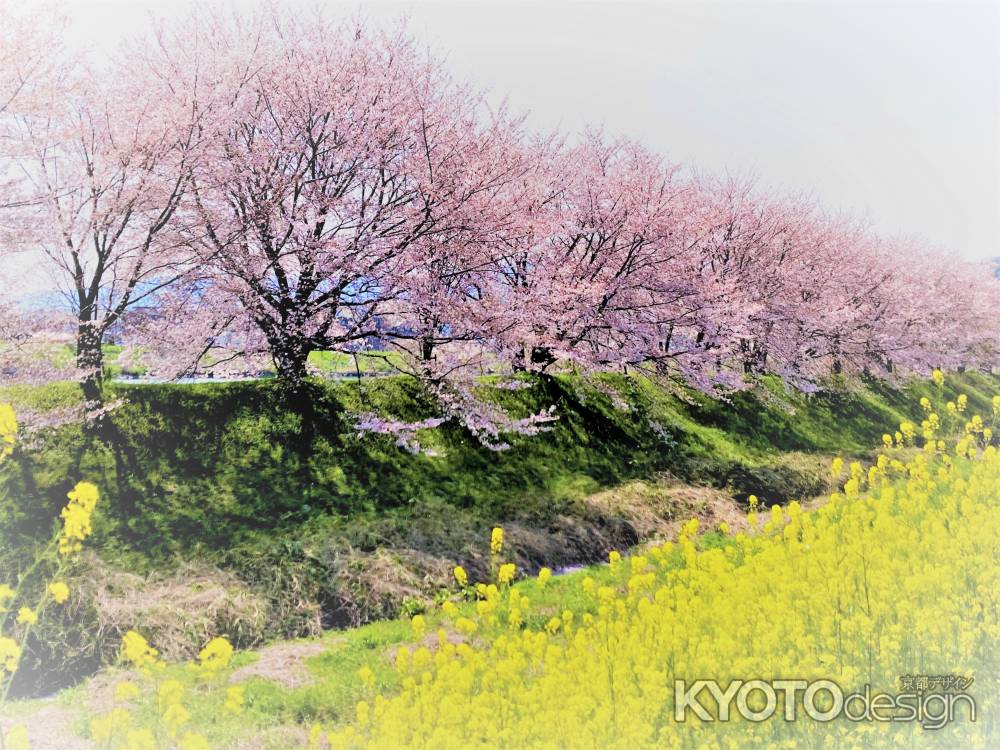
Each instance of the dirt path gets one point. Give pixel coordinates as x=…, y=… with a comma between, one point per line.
x=49, y=728
x=283, y=663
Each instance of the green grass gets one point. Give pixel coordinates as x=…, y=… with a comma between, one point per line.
x=367, y=362
x=202, y=469
x=303, y=509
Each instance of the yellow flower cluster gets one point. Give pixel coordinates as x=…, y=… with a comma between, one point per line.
x=121, y=728
x=173, y=714
x=8, y=430
x=544, y=575
x=496, y=541
x=16, y=738
x=214, y=657
x=59, y=592
x=77, y=517
x=11, y=648
x=137, y=652
x=506, y=573
x=897, y=575
x=419, y=626
x=235, y=699
x=12, y=641
x=10, y=655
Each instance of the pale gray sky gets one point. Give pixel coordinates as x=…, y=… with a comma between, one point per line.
x=890, y=109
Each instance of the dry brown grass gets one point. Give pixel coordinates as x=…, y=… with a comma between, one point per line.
x=179, y=612
x=657, y=508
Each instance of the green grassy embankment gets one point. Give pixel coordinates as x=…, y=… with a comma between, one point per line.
x=224, y=513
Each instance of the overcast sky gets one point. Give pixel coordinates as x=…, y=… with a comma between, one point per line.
x=889, y=109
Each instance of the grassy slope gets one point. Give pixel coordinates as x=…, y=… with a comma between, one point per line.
x=204, y=467
x=323, y=526
x=327, y=684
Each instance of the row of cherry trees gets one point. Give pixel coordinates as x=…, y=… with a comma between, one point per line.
x=267, y=185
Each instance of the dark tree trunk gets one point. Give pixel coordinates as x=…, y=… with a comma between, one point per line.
x=90, y=359
x=754, y=357
x=290, y=358
x=427, y=349
x=537, y=355
x=291, y=355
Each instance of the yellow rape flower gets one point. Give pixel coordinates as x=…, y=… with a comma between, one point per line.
x=194, y=741
x=77, y=517
x=419, y=626
x=104, y=727
x=235, y=698
x=59, y=591
x=506, y=573
x=137, y=651
x=141, y=739
x=174, y=717
x=10, y=655
x=126, y=691
x=8, y=430
x=215, y=656
x=544, y=575
x=6, y=595
x=367, y=676
x=16, y=738
x=496, y=541
x=893, y=564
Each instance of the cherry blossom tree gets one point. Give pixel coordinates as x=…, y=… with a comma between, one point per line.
x=32, y=62
x=106, y=161
x=811, y=293
x=332, y=174
x=935, y=310
x=594, y=277
x=239, y=188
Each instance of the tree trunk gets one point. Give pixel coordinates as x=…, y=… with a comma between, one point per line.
x=90, y=360
x=534, y=355
x=290, y=358
x=427, y=349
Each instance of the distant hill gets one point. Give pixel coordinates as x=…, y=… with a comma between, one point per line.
x=36, y=301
